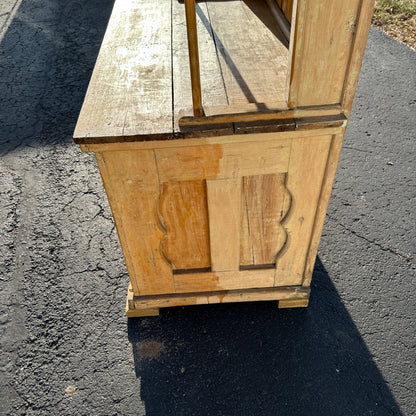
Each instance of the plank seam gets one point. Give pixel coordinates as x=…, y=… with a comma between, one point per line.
x=214, y=37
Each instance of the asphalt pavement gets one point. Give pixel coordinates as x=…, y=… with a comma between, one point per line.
x=66, y=347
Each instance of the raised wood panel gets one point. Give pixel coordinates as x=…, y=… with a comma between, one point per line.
x=224, y=202
x=323, y=42
x=222, y=161
x=265, y=202
x=132, y=186
x=183, y=212
x=304, y=181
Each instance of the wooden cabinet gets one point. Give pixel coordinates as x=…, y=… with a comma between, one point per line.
x=227, y=205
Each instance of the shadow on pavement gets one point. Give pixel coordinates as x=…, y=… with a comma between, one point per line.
x=47, y=55
x=254, y=359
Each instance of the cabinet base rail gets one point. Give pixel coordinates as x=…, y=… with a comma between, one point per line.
x=287, y=297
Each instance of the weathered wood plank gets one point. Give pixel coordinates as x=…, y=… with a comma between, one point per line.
x=224, y=202
x=183, y=211
x=131, y=87
x=265, y=202
x=304, y=182
x=131, y=182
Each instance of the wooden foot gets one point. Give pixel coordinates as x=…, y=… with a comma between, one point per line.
x=292, y=303
x=135, y=313
x=131, y=312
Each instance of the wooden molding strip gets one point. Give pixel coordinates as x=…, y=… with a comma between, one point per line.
x=134, y=143
x=268, y=115
x=225, y=296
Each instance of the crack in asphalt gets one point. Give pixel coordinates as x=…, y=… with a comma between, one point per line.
x=375, y=243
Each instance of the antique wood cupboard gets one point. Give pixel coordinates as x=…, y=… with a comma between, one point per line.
x=219, y=191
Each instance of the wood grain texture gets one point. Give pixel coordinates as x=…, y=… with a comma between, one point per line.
x=265, y=202
x=304, y=181
x=201, y=298
x=222, y=161
x=322, y=47
x=224, y=202
x=130, y=180
x=231, y=280
x=131, y=87
x=183, y=211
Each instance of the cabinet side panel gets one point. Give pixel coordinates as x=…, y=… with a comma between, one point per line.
x=265, y=202
x=304, y=182
x=328, y=181
x=131, y=182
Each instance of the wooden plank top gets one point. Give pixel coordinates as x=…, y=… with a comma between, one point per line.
x=140, y=85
